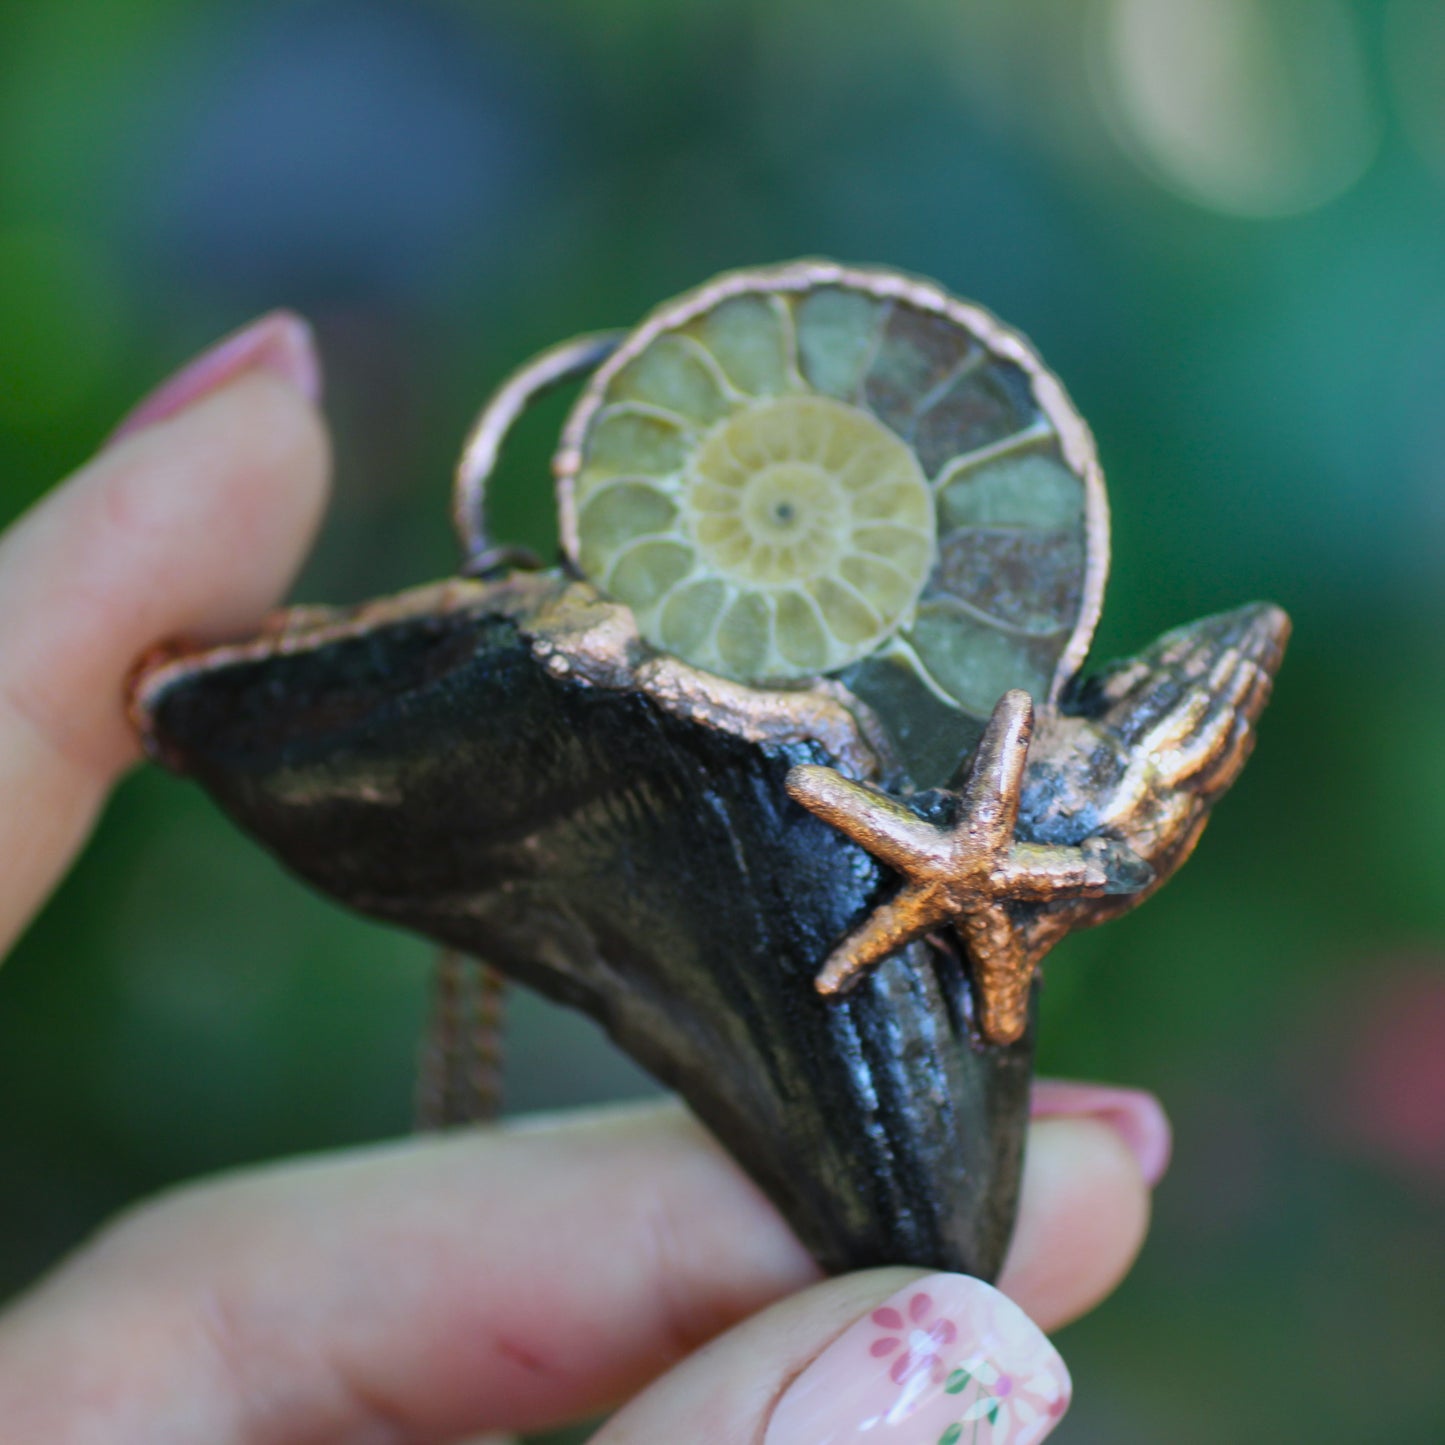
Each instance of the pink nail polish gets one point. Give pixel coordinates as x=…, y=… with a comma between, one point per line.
x=280, y=342
x=947, y=1361
x=1138, y=1118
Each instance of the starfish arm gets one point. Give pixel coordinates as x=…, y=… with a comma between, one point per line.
x=887, y=929
x=1002, y=972
x=995, y=776
x=1040, y=873
x=871, y=819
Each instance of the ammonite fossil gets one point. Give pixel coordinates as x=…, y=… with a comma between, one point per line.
x=787, y=474
x=784, y=772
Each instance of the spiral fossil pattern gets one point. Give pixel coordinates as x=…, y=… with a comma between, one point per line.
x=793, y=481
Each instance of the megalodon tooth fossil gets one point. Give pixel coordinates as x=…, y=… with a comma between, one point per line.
x=785, y=772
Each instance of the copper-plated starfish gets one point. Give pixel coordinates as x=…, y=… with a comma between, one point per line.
x=965, y=875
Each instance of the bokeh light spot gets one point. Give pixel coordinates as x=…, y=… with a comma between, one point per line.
x=1242, y=106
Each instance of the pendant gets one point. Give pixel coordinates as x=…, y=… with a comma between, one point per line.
x=785, y=772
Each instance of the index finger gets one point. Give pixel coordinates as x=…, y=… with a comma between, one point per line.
x=500, y=1279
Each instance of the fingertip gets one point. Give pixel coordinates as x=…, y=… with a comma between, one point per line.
x=280, y=342
x=889, y=1352
x=253, y=518
x=1083, y=1216
x=1135, y=1115
x=193, y=525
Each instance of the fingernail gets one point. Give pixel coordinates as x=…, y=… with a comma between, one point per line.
x=280, y=342
x=1136, y=1117
x=947, y=1361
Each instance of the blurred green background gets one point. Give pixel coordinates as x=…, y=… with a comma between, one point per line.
x=1221, y=221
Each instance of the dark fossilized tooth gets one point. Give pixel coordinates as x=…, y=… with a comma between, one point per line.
x=429, y=770
x=463, y=763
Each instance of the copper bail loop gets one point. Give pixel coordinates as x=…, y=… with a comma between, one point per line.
x=558, y=364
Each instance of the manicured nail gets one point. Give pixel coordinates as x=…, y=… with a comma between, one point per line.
x=1136, y=1117
x=947, y=1361
x=280, y=343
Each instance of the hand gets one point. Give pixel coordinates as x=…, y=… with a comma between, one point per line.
x=499, y=1280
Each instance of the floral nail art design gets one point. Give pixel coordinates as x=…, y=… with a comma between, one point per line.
x=916, y=1341
x=1015, y=1408
x=949, y=1361
x=1011, y=1401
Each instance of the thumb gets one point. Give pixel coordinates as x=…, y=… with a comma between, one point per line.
x=890, y=1357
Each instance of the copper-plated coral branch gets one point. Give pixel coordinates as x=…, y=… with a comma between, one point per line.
x=1111, y=797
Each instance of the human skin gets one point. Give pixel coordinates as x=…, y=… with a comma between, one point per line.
x=496, y=1280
